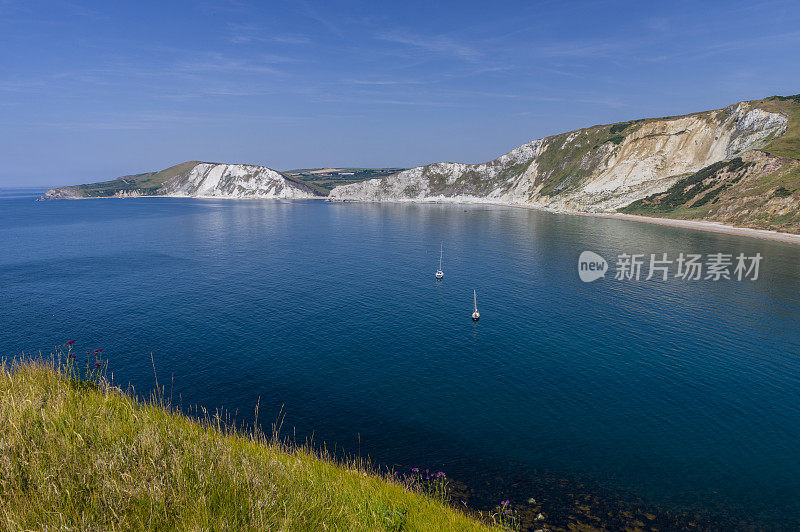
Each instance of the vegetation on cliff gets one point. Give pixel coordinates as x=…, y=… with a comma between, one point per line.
x=757, y=190
x=147, y=184
x=79, y=454
x=788, y=144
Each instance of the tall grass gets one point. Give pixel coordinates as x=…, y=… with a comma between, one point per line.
x=79, y=454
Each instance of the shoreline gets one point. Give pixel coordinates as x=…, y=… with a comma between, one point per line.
x=184, y=197
x=703, y=225
x=698, y=225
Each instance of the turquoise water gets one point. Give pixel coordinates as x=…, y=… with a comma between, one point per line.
x=684, y=394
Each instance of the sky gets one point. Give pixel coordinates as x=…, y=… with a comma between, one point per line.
x=93, y=90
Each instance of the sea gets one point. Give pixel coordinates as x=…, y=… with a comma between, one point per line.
x=645, y=391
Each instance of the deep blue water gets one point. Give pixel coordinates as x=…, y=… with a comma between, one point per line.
x=683, y=393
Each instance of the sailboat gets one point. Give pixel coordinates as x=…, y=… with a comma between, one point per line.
x=475, y=315
x=439, y=272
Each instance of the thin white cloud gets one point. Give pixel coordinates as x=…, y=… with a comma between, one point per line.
x=659, y=24
x=223, y=63
x=763, y=41
x=280, y=38
x=581, y=49
x=334, y=27
x=438, y=44
x=145, y=121
x=250, y=33
x=385, y=82
x=115, y=122
x=21, y=86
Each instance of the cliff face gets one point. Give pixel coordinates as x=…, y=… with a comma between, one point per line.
x=670, y=167
x=195, y=179
x=600, y=168
x=65, y=193
x=756, y=189
x=235, y=181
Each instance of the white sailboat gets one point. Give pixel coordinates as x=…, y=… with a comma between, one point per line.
x=475, y=315
x=439, y=272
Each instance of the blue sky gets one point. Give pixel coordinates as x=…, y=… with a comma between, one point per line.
x=93, y=90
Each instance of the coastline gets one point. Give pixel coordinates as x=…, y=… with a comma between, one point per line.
x=249, y=198
x=698, y=225
x=703, y=225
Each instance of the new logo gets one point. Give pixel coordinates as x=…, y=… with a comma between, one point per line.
x=591, y=266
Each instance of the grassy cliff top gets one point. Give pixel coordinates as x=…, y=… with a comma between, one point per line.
x=148, y=182
x=85, y=457
x=788, y=144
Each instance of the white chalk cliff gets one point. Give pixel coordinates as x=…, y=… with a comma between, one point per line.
x=739, y=165
x=208, y=180
x=600, y=168
x=197, y=180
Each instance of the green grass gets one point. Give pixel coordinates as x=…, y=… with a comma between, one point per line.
x=622, y=126
x=787, y=144
x=561, y=162
x=147, y=183
x=77, y=456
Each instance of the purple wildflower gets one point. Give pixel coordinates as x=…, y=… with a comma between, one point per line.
x=415, y=470
x=97, y=364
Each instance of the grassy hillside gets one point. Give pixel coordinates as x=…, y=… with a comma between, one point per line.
x=695, y=190
x=756, y=190
x=80, y=456
x=148, y=183
x=788, y=144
